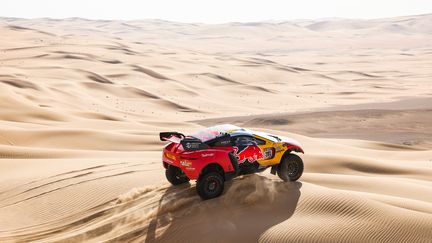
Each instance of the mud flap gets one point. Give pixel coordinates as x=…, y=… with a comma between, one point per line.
x=273, y=169
x=230, y=175
x=234, y=163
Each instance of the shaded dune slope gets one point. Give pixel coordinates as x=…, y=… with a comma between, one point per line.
x=253, y=208
x=349, y=192
x=82, y=102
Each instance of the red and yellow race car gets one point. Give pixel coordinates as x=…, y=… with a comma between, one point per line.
x=216, y=154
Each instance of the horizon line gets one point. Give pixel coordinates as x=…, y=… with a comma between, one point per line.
x=228, y=22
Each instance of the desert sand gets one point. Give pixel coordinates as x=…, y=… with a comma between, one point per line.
x=82, y=103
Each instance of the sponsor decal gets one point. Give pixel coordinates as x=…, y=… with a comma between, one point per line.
x=207, y=155
x=192, y=145
x=248, y=153
x=279, y=149
x=268, y=153
x=185, y=163
x=225, y=142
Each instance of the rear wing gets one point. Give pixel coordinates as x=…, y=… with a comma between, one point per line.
x=188, y=143
x=175, y=137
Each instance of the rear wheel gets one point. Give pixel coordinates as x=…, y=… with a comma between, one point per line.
x=175, y=175
x=290, y=168
x=210, y=185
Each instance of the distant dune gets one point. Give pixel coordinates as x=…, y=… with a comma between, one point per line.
x=82, y=102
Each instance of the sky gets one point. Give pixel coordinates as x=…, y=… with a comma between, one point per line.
x=214, y=11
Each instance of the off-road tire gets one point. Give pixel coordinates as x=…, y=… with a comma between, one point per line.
x=175, y=175
x=290, y=168
x=210, y=185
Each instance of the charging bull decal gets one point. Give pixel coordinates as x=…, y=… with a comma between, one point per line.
x=249, y=153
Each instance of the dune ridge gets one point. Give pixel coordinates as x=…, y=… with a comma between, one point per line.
x=82, y=102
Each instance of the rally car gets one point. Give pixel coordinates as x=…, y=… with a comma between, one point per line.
x=217, y=154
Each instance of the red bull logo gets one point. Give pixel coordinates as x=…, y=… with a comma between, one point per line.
x=249, y=153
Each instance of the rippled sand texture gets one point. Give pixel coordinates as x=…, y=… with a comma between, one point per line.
x=82, y=102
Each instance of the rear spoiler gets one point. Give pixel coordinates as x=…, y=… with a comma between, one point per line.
x=188, y=143
x=166, y=136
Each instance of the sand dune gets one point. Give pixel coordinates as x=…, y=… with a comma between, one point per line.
x=82, y=102
x=398, y=126
x=347, y=190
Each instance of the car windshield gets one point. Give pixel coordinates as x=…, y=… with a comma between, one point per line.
x=277, y=138
x=268, y=136
x=210, y=133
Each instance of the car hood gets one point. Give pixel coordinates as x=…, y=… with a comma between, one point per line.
x=290, y=141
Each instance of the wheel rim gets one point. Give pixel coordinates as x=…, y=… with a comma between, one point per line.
x=293, y=168
x=212, y=185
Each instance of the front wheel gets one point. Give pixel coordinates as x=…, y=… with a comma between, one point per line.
x=175, y=175
x=290, y=168
x=210, y=185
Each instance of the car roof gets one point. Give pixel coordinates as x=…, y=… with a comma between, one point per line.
x=226, y=128
x=235, y=131
x=231, y=129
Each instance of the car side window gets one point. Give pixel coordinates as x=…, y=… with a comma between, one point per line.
x=226, y=141
x=244, y=141
x=259, y=141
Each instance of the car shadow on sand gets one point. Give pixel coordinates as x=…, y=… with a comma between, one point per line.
x=249, y=206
